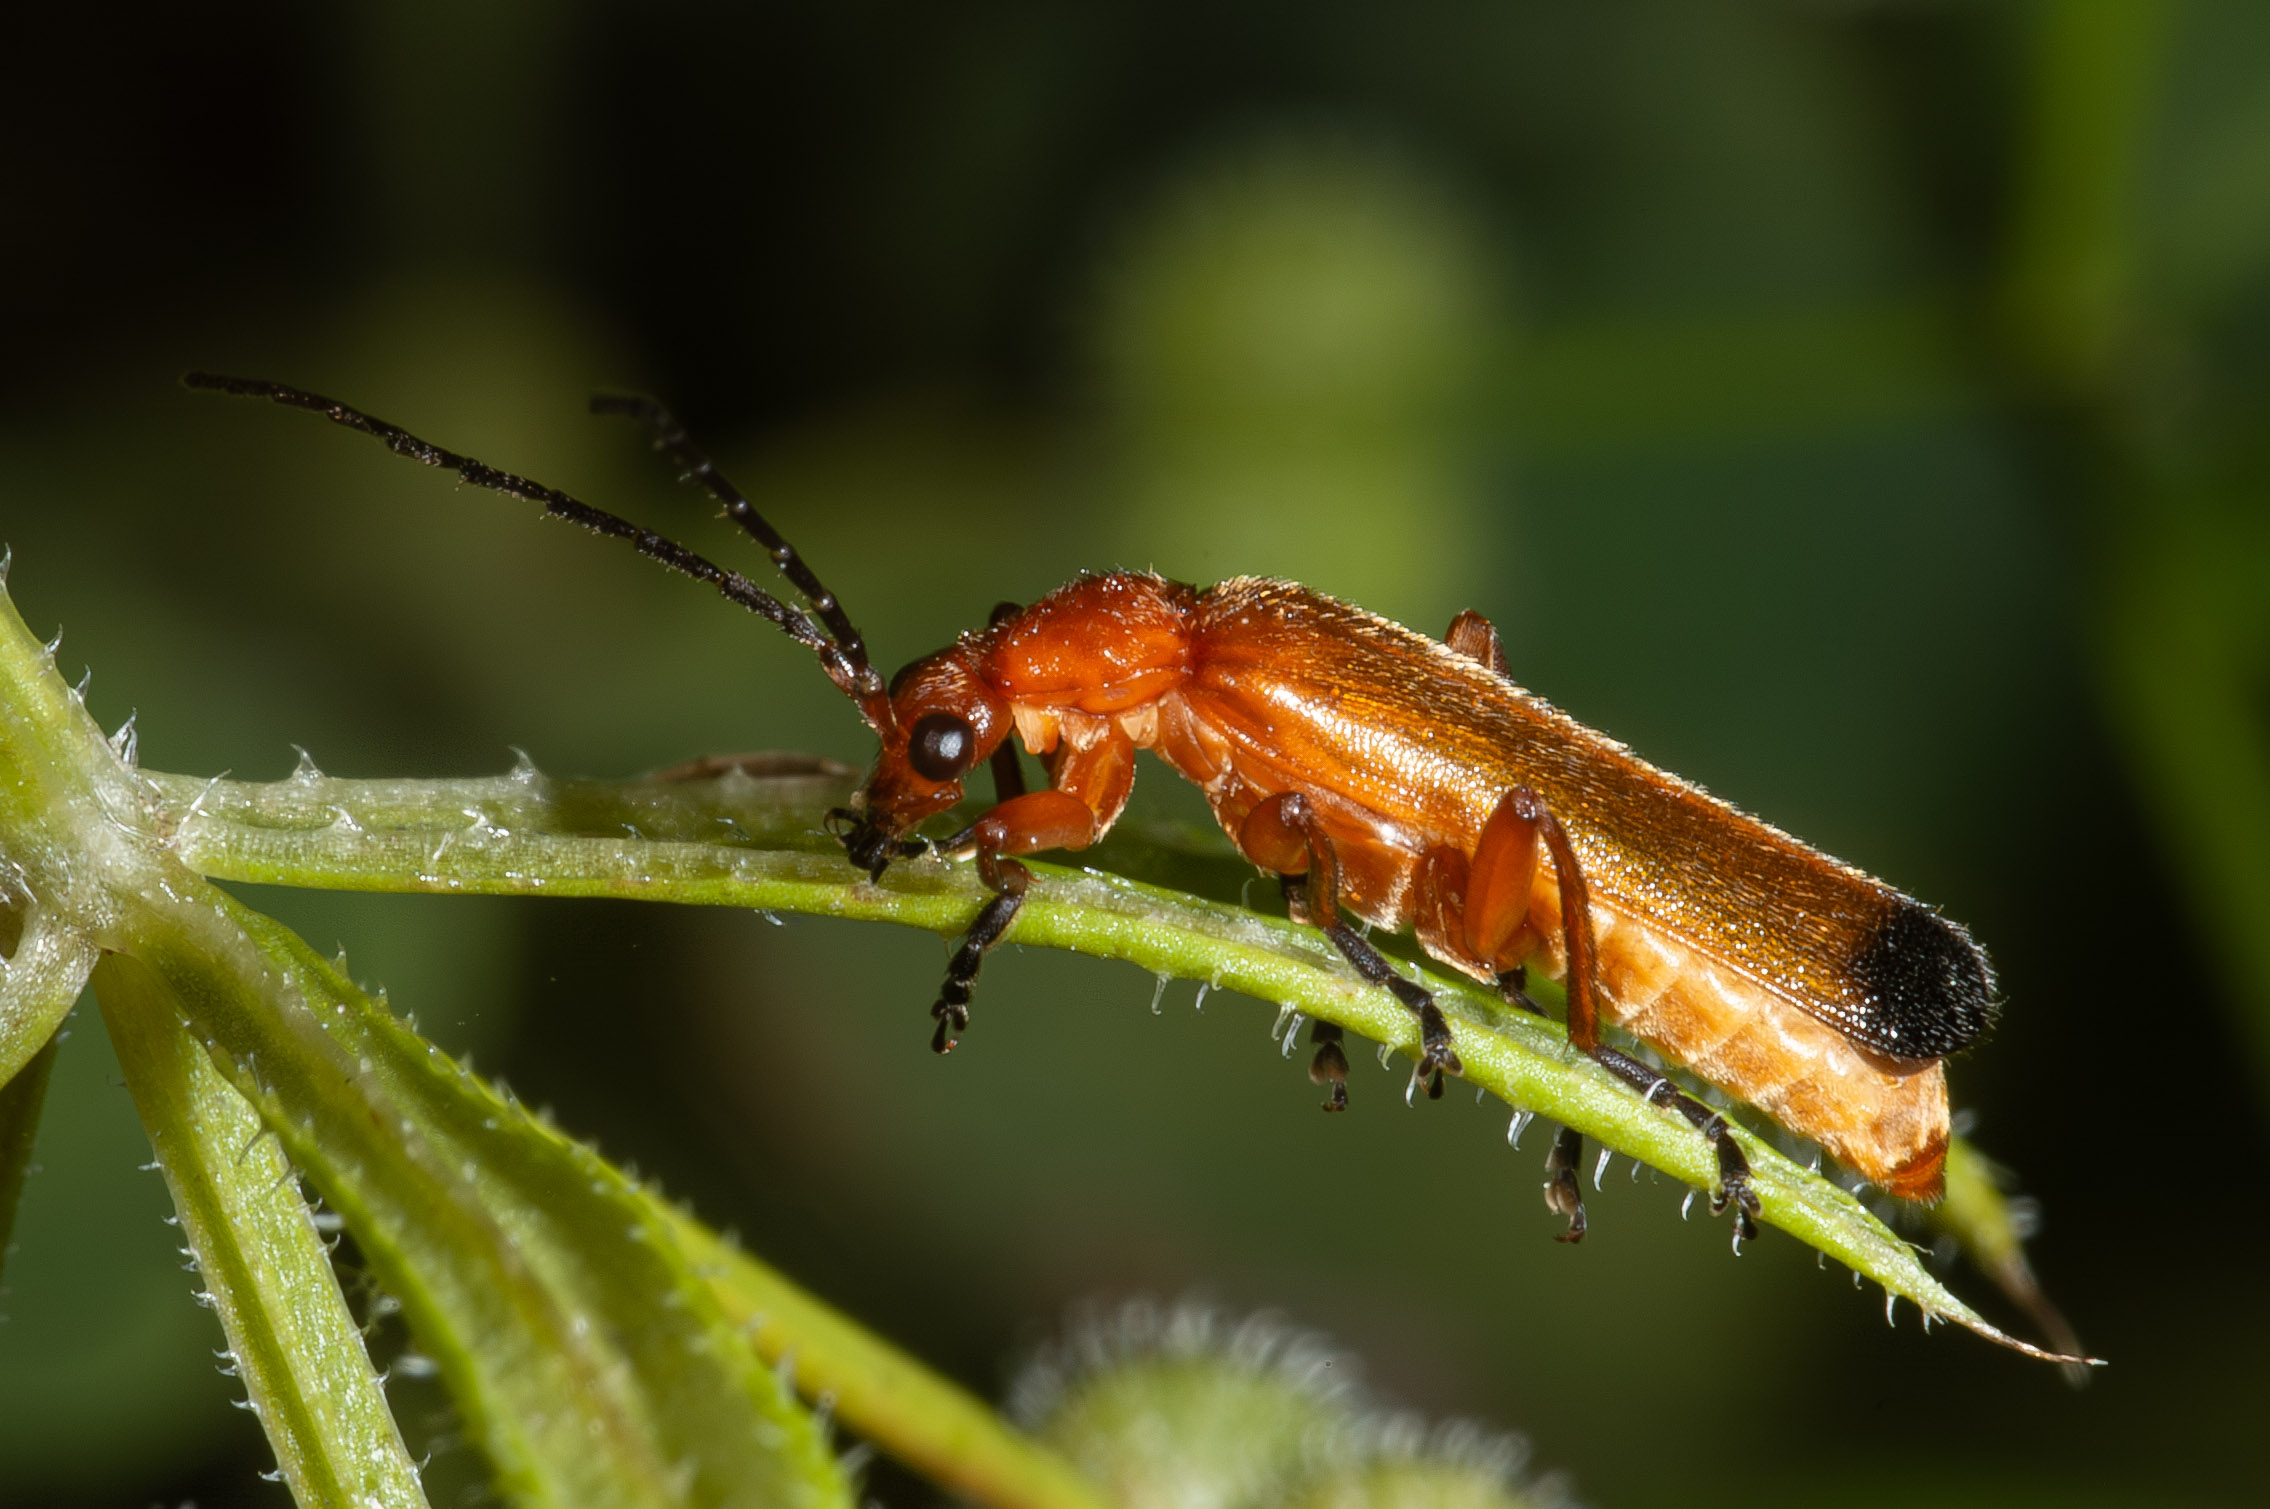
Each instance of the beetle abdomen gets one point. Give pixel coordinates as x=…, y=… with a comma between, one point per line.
x=1886, y=1122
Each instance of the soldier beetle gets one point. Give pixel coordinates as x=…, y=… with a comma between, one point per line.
x=1406, y=781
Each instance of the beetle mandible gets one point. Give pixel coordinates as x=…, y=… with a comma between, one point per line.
x=1406, y=781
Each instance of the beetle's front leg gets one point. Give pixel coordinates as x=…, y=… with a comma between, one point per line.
x=1021, y=825
x=1284, y=835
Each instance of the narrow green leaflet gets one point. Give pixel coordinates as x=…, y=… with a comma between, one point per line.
x=585, y=1354
x=583, y=1351
x=1991, y=1231
x=20, y=1100
x=740, y=841
x=266, y=1270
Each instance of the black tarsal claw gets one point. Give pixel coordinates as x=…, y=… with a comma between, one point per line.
x=952, y=1018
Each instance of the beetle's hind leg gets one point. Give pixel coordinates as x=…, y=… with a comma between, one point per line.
x=1734, y=1187
x=1284, y=835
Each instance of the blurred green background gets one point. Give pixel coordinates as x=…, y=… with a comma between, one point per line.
x=1855, y=406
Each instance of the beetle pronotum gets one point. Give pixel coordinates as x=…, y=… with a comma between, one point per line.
x=1407, y=781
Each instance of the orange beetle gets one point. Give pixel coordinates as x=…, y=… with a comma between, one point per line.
x=1406, y=781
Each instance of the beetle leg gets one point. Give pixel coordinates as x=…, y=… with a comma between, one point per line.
x=1734, y=1188
x=1021, y=825
x=1563, y=1194
x=1008, y=775
x=1283, y=834
x=1449, y=909
x=1513, y=984
x=1473, y=636
x=1330, y=1065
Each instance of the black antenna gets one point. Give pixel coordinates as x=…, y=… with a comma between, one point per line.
x=671, y=436
x=843, y=655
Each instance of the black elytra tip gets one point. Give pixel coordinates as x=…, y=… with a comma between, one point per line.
x=1931, y=990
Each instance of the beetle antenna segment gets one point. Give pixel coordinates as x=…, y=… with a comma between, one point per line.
x=846, y=664
x=670, y=436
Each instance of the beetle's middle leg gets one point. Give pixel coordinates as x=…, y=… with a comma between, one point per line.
x=1283, y=834
x=1584, y=1032
x=1474, y=913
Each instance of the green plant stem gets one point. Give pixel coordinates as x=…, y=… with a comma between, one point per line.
x=592, y=1362
x=62, y=792
x=934, y=1427
x=752, y=843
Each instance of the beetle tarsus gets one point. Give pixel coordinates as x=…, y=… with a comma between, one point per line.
x=952, y=1008
x=1733, y=1184
x=1436, y=1056
x=1734, y=1188
x=1330, y=1065
x=952, y=1019
x=1563, y=1196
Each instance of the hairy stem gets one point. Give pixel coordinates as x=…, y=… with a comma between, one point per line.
x=738, y=840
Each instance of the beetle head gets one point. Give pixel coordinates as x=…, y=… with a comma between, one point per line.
x=945, y=720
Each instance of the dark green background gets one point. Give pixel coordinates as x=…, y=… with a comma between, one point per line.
x=1855, y=406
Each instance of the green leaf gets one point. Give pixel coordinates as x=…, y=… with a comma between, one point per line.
x=585, y=1354
x=266, y=1270
x=740, y=841
x=1988, y=1226
x=20, y=1101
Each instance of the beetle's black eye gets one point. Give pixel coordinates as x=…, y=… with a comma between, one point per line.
x=941, y=747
